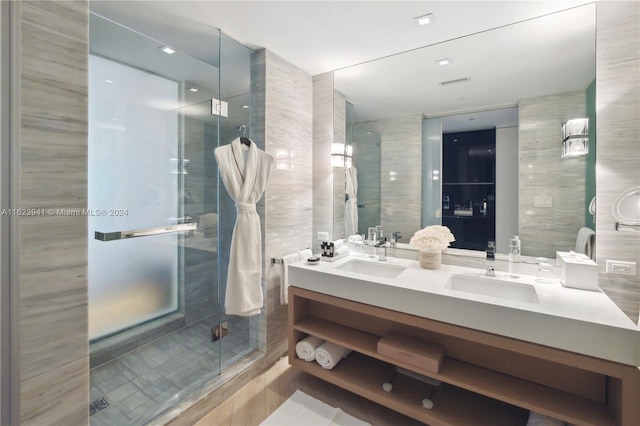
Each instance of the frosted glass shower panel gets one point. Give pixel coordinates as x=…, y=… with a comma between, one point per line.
x=133, y=184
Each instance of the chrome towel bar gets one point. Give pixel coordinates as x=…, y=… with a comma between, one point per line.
x=146, y=232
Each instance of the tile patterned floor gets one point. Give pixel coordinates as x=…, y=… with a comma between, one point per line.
x=142, y=383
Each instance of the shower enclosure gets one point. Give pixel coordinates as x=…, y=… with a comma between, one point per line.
x=160, y=223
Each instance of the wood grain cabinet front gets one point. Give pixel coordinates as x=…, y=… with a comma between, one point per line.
x=485, y=378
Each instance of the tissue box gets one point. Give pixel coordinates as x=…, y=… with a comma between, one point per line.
x=413, y=351
x=577, y=271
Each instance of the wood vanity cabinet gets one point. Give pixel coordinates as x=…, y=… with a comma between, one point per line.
x=487, y=379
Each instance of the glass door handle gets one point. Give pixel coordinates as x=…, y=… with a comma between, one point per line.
x=146, y=232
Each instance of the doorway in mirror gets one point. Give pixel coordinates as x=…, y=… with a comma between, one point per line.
x=469, y=187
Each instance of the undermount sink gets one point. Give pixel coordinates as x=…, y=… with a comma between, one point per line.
x=491, y=287
x=376, y=269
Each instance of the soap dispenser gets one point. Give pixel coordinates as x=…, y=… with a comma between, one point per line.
x=514, y=257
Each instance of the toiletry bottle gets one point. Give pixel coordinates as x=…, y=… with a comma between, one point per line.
x=490, y=260
x=514, y=257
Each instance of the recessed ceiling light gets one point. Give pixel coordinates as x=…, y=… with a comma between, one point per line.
x=193, y=89
x=445, y=61
x=424, y=19
x=109, y=81
x=168, y=50
x=245, y=106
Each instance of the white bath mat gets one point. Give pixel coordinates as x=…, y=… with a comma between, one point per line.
x=304, y=410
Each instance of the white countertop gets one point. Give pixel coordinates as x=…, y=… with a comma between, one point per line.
x=581, y=321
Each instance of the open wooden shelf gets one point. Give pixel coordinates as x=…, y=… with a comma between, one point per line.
x=452, y=406
x=486, y=378
x=508, y=389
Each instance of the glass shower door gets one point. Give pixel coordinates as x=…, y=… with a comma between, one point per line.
x=133, y=187
x=202, y=310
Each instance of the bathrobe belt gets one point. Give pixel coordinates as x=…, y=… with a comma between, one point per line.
x=245, y=208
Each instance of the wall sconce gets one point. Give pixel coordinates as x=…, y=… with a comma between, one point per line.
x=284, y=159
x=575, y=138
x=341, y=155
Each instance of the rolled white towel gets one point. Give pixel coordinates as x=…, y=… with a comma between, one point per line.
x=342, y=250
x=328, y=355
x=337, y=244
x=537, y=419
x=306, y=348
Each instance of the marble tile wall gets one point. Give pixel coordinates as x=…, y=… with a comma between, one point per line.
x=339, y=175
x=323, y=133
x=288, y=199
x=544, y=231
x=50, y=323
x=401, y=176
x=618, y=127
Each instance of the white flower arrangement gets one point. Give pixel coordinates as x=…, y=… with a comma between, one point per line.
x=433, y=237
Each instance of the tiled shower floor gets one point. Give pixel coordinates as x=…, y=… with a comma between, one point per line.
x=141, y=383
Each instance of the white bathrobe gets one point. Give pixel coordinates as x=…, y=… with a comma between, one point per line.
x=351, y=205
x=245, y=172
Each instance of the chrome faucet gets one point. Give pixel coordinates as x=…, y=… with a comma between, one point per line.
x=395, y=236
x=382, y=243
x=491, y=257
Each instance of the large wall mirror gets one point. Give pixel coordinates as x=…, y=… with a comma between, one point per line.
x=523, y=80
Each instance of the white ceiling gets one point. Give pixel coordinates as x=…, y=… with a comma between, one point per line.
x=322, y=36
x=548, y=55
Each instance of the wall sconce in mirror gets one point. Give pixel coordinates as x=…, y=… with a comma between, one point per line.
x=341, y=155
x=575, y=138
x=626, y=210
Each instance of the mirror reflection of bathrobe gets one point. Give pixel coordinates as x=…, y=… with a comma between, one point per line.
x=245, y=172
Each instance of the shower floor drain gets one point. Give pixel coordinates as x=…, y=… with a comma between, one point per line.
x=98, y=405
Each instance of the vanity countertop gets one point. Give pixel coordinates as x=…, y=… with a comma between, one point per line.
x=580, y=321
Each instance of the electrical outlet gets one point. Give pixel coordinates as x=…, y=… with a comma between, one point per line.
x=621, y=267
x=323, y=236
